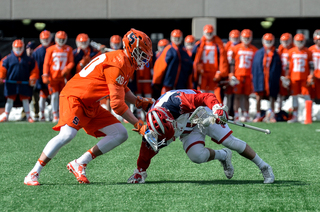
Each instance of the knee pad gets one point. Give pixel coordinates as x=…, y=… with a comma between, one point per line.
x=198, y=154
x=235, y=144
x=116, y=135
x=65, y=136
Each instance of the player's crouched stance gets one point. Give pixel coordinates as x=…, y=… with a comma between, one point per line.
x=169, y=118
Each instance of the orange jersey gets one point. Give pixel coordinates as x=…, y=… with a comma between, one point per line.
x=283, y=53
x=299, y=63
x=209, y=57
x=93, y=82
x=243, y=57
x=228, y=48
x=316, y=60
x=56, y=60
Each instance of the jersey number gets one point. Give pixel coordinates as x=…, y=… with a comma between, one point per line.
x=245, y=61
x=299, y=65
x=59, y=63
x=208, y=57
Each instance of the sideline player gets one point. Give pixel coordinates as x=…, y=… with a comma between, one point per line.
x=315, y=49
x=107, y=74
x=168, y=120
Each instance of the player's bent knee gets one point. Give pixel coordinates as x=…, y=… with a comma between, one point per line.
x=235, y=144
x=198, y=154
x=67, y=133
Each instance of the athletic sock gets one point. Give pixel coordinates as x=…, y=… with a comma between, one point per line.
x=220, y=155
x=86, y=157
x=38, y=167
x=258, y=161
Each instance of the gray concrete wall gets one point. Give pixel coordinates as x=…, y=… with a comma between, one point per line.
x=123, y=9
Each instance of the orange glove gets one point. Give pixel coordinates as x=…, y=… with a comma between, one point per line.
x=200, y=68
x=65, y=72
x=144, y=103
x=140, y=127
x=1, y=81
x=32, y=82
x=85, y=60
x=45, y=79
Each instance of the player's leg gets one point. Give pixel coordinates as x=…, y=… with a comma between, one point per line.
x=44, y=93
x=145, y=155
x=295, y=90
x=65, y=135
x=237, y=89
x=194, y=146
x=258, y=117
x=26, y=107
x=8, y=106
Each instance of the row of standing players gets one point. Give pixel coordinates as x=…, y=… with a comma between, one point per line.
x=209, y=65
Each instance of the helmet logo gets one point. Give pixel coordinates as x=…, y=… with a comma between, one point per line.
x=132, y=38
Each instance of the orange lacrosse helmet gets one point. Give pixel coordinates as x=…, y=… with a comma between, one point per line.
x=138, y=47
x=316, y=34
x=268, y=40
x=234, y=36
x=18, y=47
x=61, y=38
x=176, y=36
x=299, y=40
x=82, y=41
x=189, y=41
x=286, y=39
x=246, y=36
x=208, y=31
x=45, y=38
x=115, y=42
x=162, y=44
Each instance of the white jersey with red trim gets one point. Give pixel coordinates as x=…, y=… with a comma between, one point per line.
x=182, y=103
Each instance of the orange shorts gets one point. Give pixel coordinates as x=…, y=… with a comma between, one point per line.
x=282, y=90
x=14, y=96
x=44, y=93
x=299, y=87
x=315, y=89
x=244, y=86
x=207, y=83
x=75, y=114
x=56, y=86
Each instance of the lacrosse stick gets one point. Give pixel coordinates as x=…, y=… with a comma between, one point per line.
x=98, y=46
x=16, y=82
x=204, y=117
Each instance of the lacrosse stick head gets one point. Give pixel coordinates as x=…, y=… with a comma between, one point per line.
x=203, y=117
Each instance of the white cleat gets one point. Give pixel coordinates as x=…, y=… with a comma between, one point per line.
x=227, y=165
x=267, y=174
x=32, y=179
x=137, y=177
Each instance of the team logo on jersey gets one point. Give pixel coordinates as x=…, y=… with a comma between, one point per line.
x=75, y=120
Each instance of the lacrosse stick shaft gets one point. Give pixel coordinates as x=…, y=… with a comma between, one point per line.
x=16, y=82
x=266, y=131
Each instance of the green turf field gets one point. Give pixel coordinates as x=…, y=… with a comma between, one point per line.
x=174, y=183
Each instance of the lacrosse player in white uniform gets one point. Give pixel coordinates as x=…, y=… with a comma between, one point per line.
x=168, y=119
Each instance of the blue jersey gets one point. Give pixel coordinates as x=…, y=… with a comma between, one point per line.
x=39, y=54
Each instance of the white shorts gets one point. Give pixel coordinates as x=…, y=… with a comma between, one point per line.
x=216, y=132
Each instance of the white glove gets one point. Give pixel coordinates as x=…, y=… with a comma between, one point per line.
x=137, y=177
x=234, y=81
x=285, y=81
x=220, y=112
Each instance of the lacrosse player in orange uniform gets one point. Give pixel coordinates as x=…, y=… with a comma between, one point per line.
x=107, y=74
x=315, y=49
x=210, y=62
x=240, y=67
x=57, y=65
x=234, y=39
x=300, y=64
x=189, y=42
x=284, y=47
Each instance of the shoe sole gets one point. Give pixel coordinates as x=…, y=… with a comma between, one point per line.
x=71, y=170
x=227, y=150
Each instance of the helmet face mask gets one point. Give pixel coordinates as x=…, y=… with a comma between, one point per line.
x=189, y=42
x=268, y=40
x=138, y=47
x=45, y=38
x=316, y=37
x=286, y=40
x=208, y=31
x=82, y=41
x=176, y=37
x=61, y=38
x=299, y=41
x=246, y=36
x=18, y=47
x=162, y=44
x=234, y=36
x=115, y=42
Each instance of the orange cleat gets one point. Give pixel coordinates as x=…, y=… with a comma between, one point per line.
x=79, y=171
x=30, y=120
x=32, y=179
x=4, y=119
